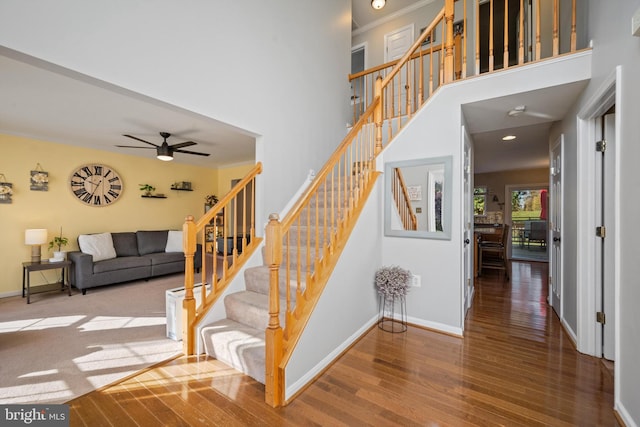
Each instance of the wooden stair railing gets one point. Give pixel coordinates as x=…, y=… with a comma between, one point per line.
x=402, y=201
x=232, y=243
x=306, y=244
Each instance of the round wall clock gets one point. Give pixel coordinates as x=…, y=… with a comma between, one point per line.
x=96, y=184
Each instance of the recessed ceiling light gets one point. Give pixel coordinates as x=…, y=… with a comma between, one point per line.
x=508, y=138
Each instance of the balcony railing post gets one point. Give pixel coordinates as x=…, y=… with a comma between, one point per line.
x=274, y=381
x=189, y=303
x=448, y=59
x=377, y=115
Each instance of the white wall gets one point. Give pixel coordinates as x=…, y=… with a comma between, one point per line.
x=277, y=69
x=613, y=45
x=436, y=131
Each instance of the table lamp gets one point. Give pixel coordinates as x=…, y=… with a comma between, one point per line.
x=35, y=237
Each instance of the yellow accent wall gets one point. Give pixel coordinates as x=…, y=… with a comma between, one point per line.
x=58, y=207
x=226, y=175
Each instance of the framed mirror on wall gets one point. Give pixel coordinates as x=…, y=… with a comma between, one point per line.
x=417, y=198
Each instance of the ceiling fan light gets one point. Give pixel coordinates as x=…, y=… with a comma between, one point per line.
x=164, y=154
x=378, y=4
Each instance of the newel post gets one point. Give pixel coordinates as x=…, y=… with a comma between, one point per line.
x=274, y=379
x=189, y=303
x=377, y=115
x=449, y=8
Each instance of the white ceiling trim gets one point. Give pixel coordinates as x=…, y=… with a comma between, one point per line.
x=391, y=17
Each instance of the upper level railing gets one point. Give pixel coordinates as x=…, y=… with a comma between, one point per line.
x=508, y=33
x=228, y=234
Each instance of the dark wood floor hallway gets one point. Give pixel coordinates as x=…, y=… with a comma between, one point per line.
x=515, y=366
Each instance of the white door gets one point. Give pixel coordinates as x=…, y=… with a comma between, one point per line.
x=555, y=227
x=467, y=226
x=397, y=43
x=608, y=246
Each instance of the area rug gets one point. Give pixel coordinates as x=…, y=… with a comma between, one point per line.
x=60, y=347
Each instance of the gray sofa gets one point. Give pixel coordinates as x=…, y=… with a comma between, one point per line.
x=138, y=255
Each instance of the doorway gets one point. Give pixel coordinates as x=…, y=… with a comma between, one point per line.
x=526, y=212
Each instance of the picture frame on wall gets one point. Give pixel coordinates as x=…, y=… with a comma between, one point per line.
x=39, y=179
x=6, y=191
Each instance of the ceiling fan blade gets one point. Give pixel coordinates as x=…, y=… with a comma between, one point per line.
x=141, y=140
x=182, y=144
x=539, y=115
x=191, y=152
x=129, y=146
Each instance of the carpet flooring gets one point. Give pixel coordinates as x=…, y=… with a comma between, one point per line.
x=60, y=347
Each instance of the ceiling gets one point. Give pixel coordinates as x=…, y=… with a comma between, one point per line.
x=46, y=102
x=488, y=121
x=43, y=101
x=363, y=15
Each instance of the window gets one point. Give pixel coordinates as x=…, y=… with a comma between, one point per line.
x=479, y=200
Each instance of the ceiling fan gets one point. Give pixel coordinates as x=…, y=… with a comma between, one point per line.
x=165, y=151
x=521, y=110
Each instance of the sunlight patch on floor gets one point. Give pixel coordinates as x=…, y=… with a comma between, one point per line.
x=39, y=324
x=47, y=391
x=103, y=323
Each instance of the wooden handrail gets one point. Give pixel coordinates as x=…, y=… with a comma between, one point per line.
x=242, y=245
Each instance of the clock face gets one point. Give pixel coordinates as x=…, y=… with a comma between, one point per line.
x=96, y=185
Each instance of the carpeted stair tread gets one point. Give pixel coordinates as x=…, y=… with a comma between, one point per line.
x=256, y=279
x=249, y=308
x=238, y=345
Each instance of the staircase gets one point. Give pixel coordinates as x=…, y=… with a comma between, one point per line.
x=239, y=339
x=264, y=322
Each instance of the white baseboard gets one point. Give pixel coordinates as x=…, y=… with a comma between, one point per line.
x=440, y=327
x=10, y=294
x=624, y=415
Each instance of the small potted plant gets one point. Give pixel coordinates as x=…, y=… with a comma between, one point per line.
x=147, y=189
x=58, y=242
x=210, y=200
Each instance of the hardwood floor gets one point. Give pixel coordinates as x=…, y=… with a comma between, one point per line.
x=515, y=366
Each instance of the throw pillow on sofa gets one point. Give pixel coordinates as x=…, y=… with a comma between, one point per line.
x=174, y=241
x=151, y=242
x=100, y=246
x=125, y=243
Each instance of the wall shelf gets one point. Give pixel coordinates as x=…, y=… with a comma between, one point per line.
x=181, y=189
x=154, y=197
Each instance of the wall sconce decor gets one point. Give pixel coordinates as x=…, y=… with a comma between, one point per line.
x=35, y=237
x=39, y=179
x=6, y=190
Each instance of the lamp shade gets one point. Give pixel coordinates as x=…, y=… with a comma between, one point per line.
x=35, y=236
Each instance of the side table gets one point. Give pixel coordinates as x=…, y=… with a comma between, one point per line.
x=29, y=266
